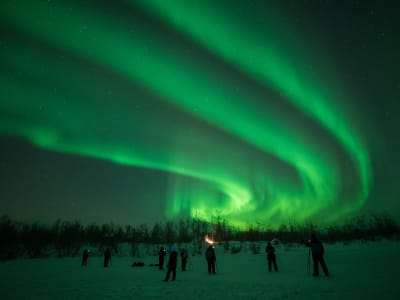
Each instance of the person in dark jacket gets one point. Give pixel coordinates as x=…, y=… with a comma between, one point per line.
x=211, y=259
x=184, y=258
x=172, y=263
x=317, y=251
x=85, y=257
x=161, y=254
x=270, y=250
x=107, y=257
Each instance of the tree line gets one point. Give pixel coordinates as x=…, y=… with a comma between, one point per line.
x=66, y=238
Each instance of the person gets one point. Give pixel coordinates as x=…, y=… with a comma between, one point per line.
x=172, y=263
x=211, y=259
x=85, y=257
x=317, y=251
x=107, y=257
x=161, y=255
x=270, y=250
x=184, y=258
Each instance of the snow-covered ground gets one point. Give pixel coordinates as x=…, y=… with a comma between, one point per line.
x=358, y=271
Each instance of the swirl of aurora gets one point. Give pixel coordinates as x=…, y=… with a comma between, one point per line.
x=227, y=107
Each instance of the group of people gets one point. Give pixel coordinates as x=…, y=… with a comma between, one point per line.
x=173, y=260
x=316, y=249
x=315, y=245
x=107, y=257
x=162, y=253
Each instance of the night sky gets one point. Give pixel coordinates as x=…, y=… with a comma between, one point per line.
x=142, y=111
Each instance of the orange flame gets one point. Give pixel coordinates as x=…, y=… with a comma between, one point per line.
x=208, y=240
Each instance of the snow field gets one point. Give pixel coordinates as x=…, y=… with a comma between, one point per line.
x=358, y=271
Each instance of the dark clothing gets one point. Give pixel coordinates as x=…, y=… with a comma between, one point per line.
x=107, y=257
x=317, y=251
x=173, y=259
x=211, y=266
x=270, y=250
x=184, y=257
x=211, y=259
x=172, y=263
x=161, y=255
x=85, y=257
x=319, y=259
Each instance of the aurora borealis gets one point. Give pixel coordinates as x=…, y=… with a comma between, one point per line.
x=257, y=111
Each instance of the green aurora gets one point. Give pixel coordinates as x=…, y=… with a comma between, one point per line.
x=251, y=123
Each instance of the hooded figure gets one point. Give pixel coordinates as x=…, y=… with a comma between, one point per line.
x=107, y=257
x=211, y=259
x=172, y=263
x=85, y=257
x=184, y=258
x=161, y=255
x=270, y=250
x=317, y=251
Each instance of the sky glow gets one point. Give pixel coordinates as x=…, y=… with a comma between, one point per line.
x=239, y=104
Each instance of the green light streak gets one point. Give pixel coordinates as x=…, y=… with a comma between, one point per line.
x=271, y=61
x=223, y=182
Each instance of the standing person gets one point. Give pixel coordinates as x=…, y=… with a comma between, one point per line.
x=107, y=257
x=317, y=251
x=211, y=259
x=85, y=257
x=172, y=263
x=161, y=256
x=184, y=258
x=270, y=250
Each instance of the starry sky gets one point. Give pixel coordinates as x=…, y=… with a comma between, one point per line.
x=140, y=111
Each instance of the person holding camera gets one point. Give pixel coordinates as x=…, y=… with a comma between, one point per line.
x=317, y=251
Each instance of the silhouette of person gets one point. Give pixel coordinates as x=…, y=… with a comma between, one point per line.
x=161, y=255
x=211, y=259
x=107, y=257
x=317, y=251
x=270, y=250
x=172, y=263
x=85, y=257
x=184, y=258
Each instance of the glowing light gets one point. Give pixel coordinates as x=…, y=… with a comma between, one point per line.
x=209, y=240
x=231, y=112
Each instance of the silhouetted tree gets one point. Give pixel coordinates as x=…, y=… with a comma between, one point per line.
x=92, y=235
x=69, y=237
x=36, y=239
x=10, y=245
x=157, y=234
x=143, y=233
x=184, y=235
x=169, y=232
